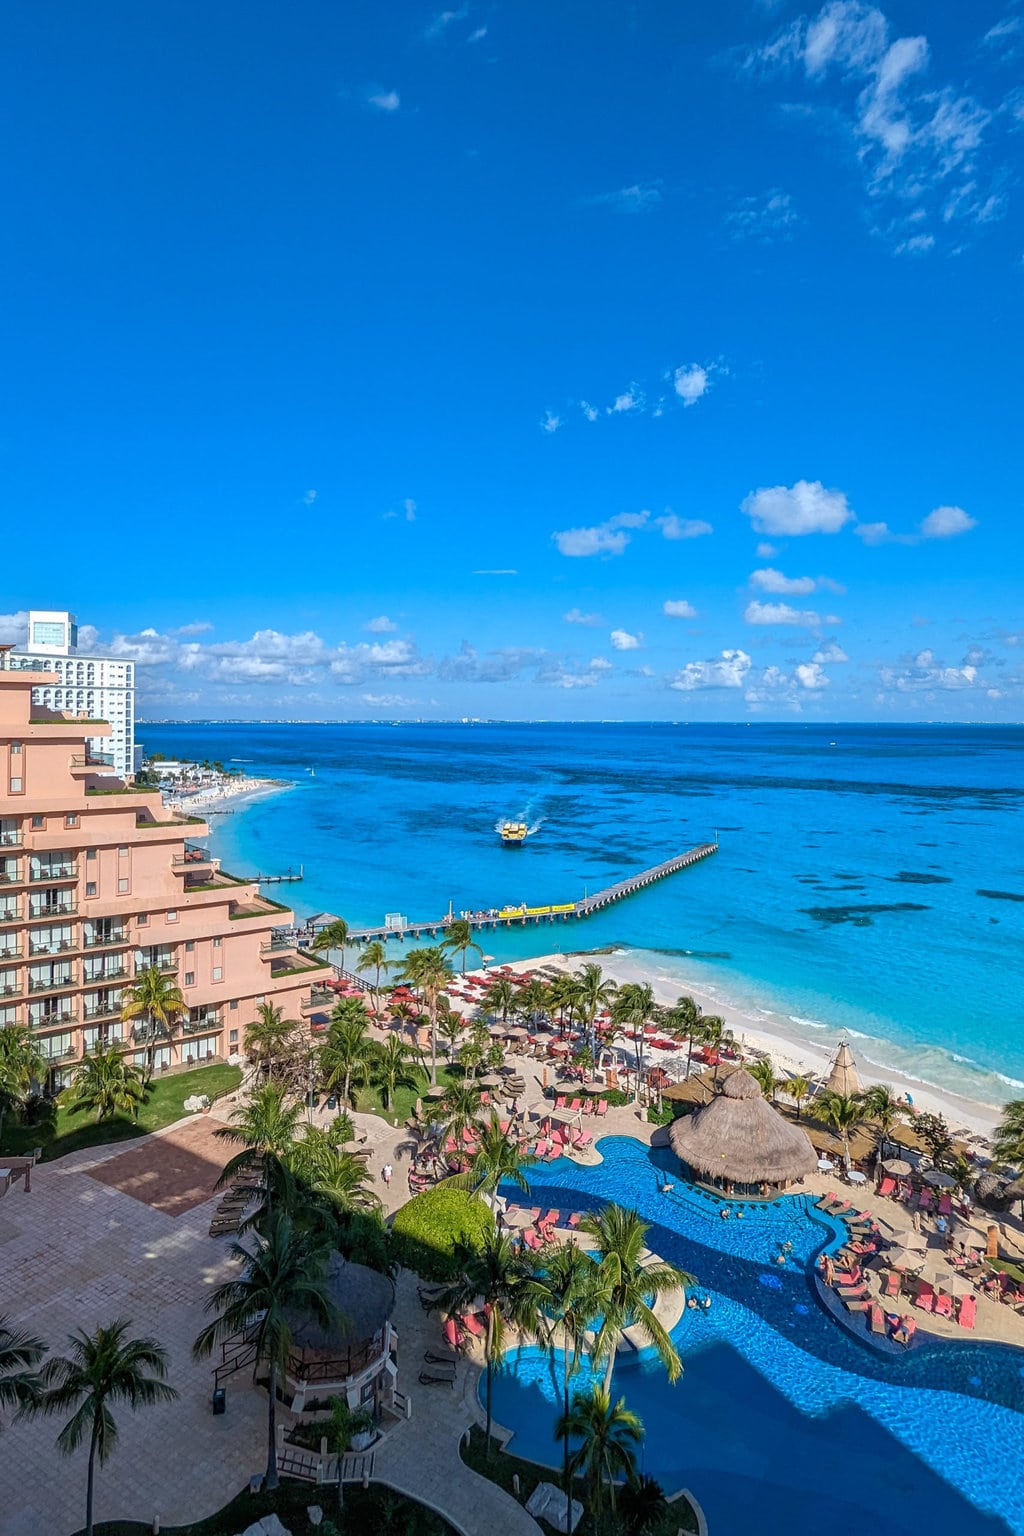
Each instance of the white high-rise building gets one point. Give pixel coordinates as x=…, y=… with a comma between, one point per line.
x=95, y=687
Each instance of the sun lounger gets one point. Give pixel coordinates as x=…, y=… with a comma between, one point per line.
x=444, y=1357
x=853, y=1292
x=576, y=1106
x=602, y=1107
x=560, y=1101
x=887, y=1186
x=856, y=1304
x=532, y=1239
x=925, y=1298
x=968, y=1311
x=438, y=1376
x=550, y=1220
x=574, y=1219
x=451, y=1333
x=472, y=1324
x=877, y=1320
x=582, y=1139
x=943, y=1306
x=892, y=1284
x=945, y=1205
x=430, y=1294
x=924, y=1200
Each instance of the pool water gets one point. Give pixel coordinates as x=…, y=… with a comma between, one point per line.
x=783, y=1421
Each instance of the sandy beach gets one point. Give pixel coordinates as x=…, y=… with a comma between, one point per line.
x=235, y=793
x=789, y=1056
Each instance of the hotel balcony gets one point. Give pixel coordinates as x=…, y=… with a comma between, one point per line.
x=9, y=951
x=91, y=762
x=279, y=947
x=52, y=914
x=52, y=983
x=208, y=1025
x=93, y=1011
x=100, y=978
x=53, y=1020
x=71, y=1054
x=11, y=840
x=167, y=965
x=56, y=874
x=194, y=857
x=318, y=999
x=105, y=940
x=62, y=947
x=15, y=876
x=10, y=915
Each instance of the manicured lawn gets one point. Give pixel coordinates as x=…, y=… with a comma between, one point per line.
x=371, y=1511
x=162, y=1107
x=404, y=1104
x=501, y=1468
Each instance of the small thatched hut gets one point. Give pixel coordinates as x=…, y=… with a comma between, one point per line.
x=740, y=1143
x=843, y=1076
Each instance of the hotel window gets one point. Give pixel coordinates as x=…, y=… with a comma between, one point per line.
x=217, y=943
x=233, y=1003
x=37, y=823
x=142, y=919
x=233, y=1036
x=122, y=886
x=90, y=887
x=15, y=748
x=189, y=946
x=218, y=973
x=90, y=854
x=122, y=853
x=190, y=978
x=71, y=819
x=16, y=785
x=172, y=917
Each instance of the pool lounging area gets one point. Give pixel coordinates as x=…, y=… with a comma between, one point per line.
x=783, y=1421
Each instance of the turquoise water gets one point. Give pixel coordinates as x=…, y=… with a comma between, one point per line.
x=875, y=885
x=782, y=1421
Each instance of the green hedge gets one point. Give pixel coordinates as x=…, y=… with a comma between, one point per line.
x=425, y=1231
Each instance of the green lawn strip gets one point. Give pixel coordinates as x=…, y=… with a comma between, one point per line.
x=162, y=1107
x=369, y=1511
x=369, y=1100
x=501, y=1467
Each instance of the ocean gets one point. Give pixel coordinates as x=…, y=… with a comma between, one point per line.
x=869, y=879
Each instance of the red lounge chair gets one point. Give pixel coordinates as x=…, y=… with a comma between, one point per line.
x=878, y=1320
x=532, y=1239
x=472, y=1324
x=602, y=1107
x=925, y=1298
x=560, y=1101
x=856, y=1303
x=550, y=1220
x=968, y=1312
x=924, y=1200
x=581, y=1139
x=851, y=1290
x=574, y=1219
x=576, y=1106
x=451, y=1333
x=943, y=1306
x=887, y=1185
x=892, y=1284
x=945, y=1205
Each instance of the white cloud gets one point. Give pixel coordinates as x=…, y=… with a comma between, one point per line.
x=678, y=608
x=309, y=498
x=622, y=640
x=199, y=627
x=830, y=652
x=387, y=700
x=504, y=571
x=385, y=101
x=806, y=507
x=631, y=400
x=673, y=527
x=769, y=580
x=477, y=36
x=766, y=551
x=729, y=670
x=809, y=674
x=443, y=20
x=14, y=627
x=643, y=197
x=920, y=145
x=925, y=674
x=381, y=625
x=607, y=538
x=691, y=383
x=550, y=422
x=600, y=664
x=947, y=523
x=576, y=616
x=591, y=412
x=782, y=613
x=875, y=533
x=408, y=512
x=765, y=219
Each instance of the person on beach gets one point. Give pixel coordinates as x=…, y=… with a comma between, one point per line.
x=386, y=1173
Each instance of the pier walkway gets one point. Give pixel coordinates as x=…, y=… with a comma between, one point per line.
x=396, y=927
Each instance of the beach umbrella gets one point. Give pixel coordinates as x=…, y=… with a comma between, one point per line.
x=518, y=1217
x=437, y=1092
x=498, y=1031
x=908, y=1237
x=938, y=1180
x=903, y=1258
x=954, y=1285
x=492, y=1080
x=594, y=1086
x=518, y=1033
x=898, y=1166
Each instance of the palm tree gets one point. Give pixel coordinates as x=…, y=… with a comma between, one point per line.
x=642, y=1507
x=501, y=996
x=844, y=1112
x=346, y=1050
x=763, y=1074
x=374, y=957
x=268, y=1037
x=395, y=1065
x=497, y=1159
x=20, y=1383
x=326, y=1170
x=459, y=1111
x=715, y=1035
x=632, y=1007
x=451, y=1026
x=107, y=1082
x=609, y=1433
x=533, y=998
x=595, y=993
x=266, y=1127
x=428, y=969
x=1008, y=1145
x=459, y=940
x=797, y=1088
x=620, y=1240
x=497, y=1272
x=22, y=1066
x=563, y=997
x=684, y=1018
x=567, y=1294
x=156, y=999
x=332, y=936
x=102, y=1368
x=283, y=1278
x=885, y=1110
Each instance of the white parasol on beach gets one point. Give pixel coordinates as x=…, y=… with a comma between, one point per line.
x=938, y=1180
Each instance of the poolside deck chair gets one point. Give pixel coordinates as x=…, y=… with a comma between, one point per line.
x=925, y=1298
x=887, y=1186
x=945, y=1205
x=550, y=1220
x=574, y=1219
x=438, y=1376
x=851, y=1292
x=451, y=1333
x=924, y=1200
x=560, y=1101
x=943, y=1306
x=472, y=1324
x=441, y=1357
x=582, y=1139
x=430, y=1294
x=533, y=1240
x=856, y=1303
x=968, y=1311
x=576, y=1106
x=877, y=1320
x=602, y=1107
x=892, y=1284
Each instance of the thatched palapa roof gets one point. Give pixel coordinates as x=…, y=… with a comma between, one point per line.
x=364, y=1300
x=740, y=1137
x=843, y=1076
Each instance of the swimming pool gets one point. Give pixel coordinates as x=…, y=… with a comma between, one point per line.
x=784, y=1422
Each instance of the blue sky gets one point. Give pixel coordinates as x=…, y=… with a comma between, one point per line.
x=585, y=360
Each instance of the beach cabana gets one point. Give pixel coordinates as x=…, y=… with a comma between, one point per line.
x=843, y=1075
x=740, y=1144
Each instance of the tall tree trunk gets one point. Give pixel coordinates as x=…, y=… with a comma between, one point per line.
x=432, y=1016
x=689, y=1056
x=272, y=1430
x=609, y=1367
x=90, y=1481
x=490, y=1379
x=567, y=1479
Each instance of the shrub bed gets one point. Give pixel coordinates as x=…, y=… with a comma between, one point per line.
x=425, y=1231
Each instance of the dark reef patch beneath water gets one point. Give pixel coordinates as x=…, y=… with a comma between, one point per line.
x=1001, y=895
x=860, y=916
x=915, y=877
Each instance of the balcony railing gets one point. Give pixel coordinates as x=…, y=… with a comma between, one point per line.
x=167, y=966
x=319, y=997
x=10, y=989
x=104, y=940
x=93, y=760
x=10, y=915
x=11, y=840
x=60, y=947
x=12, y=876
x=201, y=1026
x=193, y=855
x=101, y=1011
x=53, y=1020
x=51, y=983
x=55, y=874
x=97, y=978
x=48, y=914
x=10, y=951
x=279, y=947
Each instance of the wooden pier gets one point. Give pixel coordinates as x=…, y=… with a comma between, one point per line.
x=524, y=916
x=284, y=879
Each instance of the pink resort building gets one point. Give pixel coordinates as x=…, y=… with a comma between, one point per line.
x=99, y=880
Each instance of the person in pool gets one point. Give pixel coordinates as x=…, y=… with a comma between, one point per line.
x=725, y=1213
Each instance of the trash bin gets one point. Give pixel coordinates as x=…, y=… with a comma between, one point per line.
x=220, y=1400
